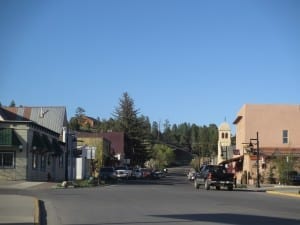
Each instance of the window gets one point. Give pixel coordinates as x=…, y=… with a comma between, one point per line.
x=7, y=160
x=43, y=162
x=34, y=160
x=61, y=161
x=224, y=135
x=285, y=136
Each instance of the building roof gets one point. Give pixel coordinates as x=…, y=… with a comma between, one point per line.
x=262, y=108
x=52, y=117
x=275, y=151
x=224, y=126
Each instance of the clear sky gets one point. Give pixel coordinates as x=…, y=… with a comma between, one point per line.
x=182, y=60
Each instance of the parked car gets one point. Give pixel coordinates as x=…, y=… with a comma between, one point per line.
x=214, y=175
x=295, y=180
x=137, y=173
x=156, y=174
x=122, y=172
x=146, y=173
x=107, y=173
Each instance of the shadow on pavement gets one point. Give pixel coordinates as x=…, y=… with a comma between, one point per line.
x=228, y=218
x=43, y=213
x=160, y=181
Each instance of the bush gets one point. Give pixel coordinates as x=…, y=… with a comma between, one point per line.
x=91, y=182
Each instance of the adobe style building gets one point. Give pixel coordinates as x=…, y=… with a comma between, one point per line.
x=278, y=130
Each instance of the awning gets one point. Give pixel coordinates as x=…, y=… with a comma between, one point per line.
x=235, y=159
x=8, y=137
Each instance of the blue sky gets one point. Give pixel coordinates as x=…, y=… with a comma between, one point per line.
x=181, y=60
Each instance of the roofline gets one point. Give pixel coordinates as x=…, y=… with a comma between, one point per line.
x=29, y=122
x=238, y=118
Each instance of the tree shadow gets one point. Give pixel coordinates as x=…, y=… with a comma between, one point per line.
x=153, y=181
x=230, y=218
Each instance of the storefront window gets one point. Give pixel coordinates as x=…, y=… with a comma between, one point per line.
x=34, y=160
x=7, y=159
x=61, y=161
x=43, y=162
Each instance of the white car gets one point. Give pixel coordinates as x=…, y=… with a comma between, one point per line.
x=122, y=172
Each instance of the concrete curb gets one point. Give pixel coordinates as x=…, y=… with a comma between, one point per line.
x=36, y=215
x=282, y=193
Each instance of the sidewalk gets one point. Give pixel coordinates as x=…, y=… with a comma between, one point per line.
x=20, y=209
x=285, y=190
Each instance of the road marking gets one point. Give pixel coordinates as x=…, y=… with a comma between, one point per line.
x=282, y=193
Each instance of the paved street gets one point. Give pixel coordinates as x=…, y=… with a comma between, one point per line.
x=172, y=200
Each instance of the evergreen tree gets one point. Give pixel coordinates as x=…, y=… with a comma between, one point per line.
x=184, y=135
x=213, y=139
x=127, y=119
x=80, y=112
x=155, y=131
x=12, y=104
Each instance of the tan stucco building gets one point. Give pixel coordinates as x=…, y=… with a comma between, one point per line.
x=278, y=129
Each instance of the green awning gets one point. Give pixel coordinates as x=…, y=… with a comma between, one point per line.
x=8, y=137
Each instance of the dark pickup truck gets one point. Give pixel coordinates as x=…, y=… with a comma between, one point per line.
x=214, y=175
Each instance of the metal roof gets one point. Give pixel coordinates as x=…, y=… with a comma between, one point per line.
x=51, y=117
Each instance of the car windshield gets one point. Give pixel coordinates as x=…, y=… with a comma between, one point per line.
x=217, y=169
x=121, y=168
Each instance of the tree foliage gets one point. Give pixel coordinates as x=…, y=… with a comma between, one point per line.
x=12, y=104
x=80, y=112
x=141, y=135
x=163, y=155
x=136, y=128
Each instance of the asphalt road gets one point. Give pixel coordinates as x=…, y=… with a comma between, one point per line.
x=171, y=200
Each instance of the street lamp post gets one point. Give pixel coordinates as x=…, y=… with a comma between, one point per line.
x=199, y=152
x=257, y=156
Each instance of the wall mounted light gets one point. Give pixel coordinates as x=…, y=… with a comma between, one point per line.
x=34, y=148
x=20, y=148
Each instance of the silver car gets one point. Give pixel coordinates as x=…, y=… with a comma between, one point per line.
x=122, y=172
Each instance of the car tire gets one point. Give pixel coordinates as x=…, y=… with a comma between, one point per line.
x=196, y=185
x=206, y=185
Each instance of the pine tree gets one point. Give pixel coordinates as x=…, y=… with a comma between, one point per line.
x=12, y=104
x=128, y=122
